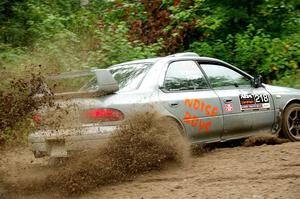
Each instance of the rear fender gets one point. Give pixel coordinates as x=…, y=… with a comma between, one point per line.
x=183, y=130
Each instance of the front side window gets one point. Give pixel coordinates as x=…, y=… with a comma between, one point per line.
x=184, y=75
x=221, y=77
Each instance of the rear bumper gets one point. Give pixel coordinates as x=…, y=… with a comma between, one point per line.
x=58, y=143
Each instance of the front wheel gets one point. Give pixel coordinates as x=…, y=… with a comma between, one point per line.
x=291, y=122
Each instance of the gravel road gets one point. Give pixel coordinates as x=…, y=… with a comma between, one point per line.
x=267, y=171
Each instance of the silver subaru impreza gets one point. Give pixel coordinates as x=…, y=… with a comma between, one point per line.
x=210, y=100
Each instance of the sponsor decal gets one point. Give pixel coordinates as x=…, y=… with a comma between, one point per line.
x=229, y=107
x=254, y=101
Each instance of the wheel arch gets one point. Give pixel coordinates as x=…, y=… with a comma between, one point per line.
x=284, y=131
x=292, y=101
x=178, y=122
x=279, y=120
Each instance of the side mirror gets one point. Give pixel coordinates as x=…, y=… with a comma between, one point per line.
x=105, y=81
x=161, y=87
x=257, y=81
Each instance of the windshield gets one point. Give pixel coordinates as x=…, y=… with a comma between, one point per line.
x=128, y=76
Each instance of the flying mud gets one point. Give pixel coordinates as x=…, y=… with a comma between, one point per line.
x=141, y=144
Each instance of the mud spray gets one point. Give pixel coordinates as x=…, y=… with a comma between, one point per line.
x=267, y=139
x=141, y=144
x=18, y=99
x=256, y=140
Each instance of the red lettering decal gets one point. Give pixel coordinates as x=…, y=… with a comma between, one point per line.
x=194, y=121
x=208, y=106
x=202, y=106
x=200, y=126
x=204, y=125
x=187, y=117
x=214, y=111
x=196, y=104
x=188, y=102
x=208, y=124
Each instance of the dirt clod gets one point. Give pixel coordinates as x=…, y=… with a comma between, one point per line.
x=18, y=100
x=267, y=139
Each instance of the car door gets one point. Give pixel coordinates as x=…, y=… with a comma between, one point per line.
x=186, y=95
x=246, y=109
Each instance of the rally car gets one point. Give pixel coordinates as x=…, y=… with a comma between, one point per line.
x=209, y=99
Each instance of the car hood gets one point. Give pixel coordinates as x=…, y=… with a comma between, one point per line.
x=281, y=90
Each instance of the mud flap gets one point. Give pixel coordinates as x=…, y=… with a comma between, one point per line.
x=277, y=126
x=56, y=147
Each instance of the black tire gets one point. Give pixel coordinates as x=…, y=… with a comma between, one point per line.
x=291, y=122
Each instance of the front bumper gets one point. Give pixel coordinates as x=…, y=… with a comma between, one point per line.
x=58, y=143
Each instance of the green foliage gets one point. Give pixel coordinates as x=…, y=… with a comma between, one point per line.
x=290, y=79
x=261, y=37
x=74, y=42
x=23, y=22
x=9, y=55
x=259, y=53
x=115, y=48
x=256, y=52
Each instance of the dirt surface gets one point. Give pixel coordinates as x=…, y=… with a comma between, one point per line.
x=267, y=171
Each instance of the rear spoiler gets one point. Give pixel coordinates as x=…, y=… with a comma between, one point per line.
x=106, y=84
x=79, y=94
x=72, y=74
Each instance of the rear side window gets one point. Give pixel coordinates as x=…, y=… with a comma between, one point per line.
x=128, y=76
x=184, y=75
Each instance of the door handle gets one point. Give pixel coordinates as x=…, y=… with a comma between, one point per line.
x=227, y=100
x=173, y=104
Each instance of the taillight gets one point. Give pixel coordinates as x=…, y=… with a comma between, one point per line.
x=102, y=115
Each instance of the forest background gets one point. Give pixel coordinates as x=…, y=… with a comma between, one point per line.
x=258, y=36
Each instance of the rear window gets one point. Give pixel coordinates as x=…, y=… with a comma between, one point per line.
x=128, y=76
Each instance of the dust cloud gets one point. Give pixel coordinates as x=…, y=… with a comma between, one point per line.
x=141, y=144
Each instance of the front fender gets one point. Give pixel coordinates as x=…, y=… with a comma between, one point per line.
x=283, y=96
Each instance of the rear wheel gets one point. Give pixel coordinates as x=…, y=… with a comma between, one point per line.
x=291, y=122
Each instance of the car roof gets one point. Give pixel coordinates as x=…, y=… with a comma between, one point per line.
x=177, y=56
x=149, y=60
